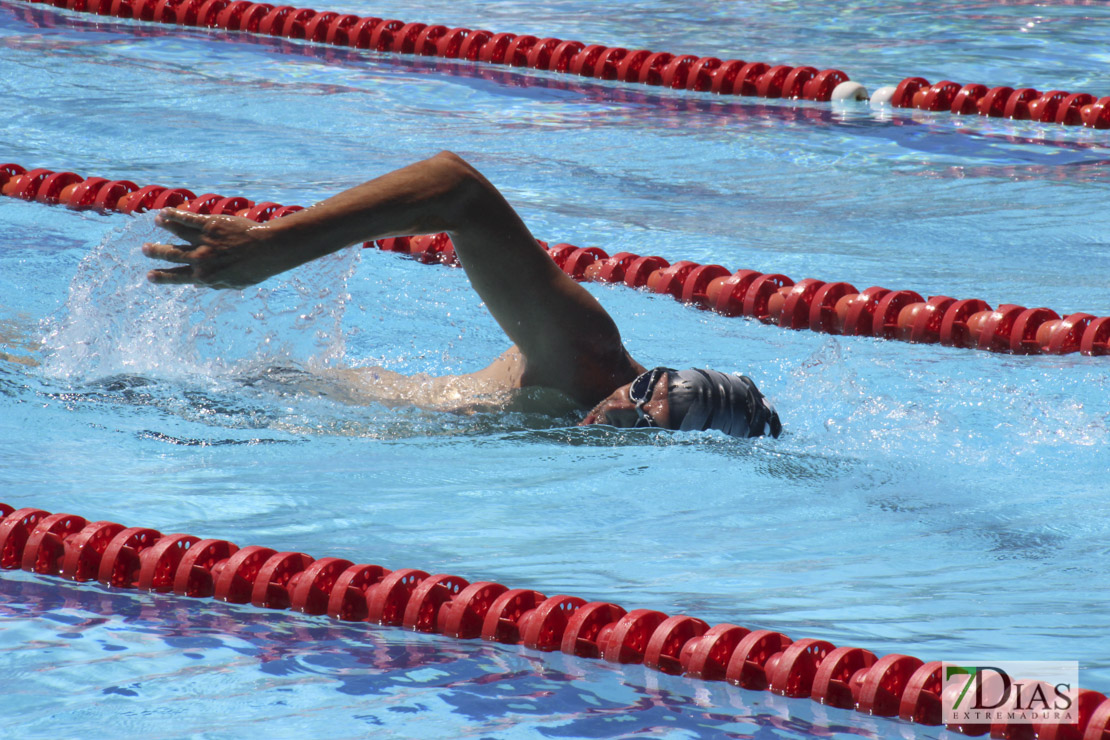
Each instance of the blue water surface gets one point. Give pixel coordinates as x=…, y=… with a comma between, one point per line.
x=924, y=500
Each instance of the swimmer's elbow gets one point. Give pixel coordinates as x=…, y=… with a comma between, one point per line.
x=467, y=192
x=456, y=165
x=458, y=175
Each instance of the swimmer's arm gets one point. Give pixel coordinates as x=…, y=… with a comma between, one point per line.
x=565, y=334
x=233, y=252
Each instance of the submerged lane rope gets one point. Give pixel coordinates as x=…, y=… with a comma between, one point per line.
x=773, y=298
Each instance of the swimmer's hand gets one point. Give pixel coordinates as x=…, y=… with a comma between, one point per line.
x=220, y=251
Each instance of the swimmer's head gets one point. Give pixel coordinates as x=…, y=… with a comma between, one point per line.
x=690, y=400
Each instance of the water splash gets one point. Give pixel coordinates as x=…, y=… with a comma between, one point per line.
x=115, y=322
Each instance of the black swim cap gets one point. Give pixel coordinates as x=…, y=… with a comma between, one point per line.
x=707, y=399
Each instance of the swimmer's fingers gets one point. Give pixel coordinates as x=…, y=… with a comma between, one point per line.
x=172, y=276
x=169, y=252
x=184, y=224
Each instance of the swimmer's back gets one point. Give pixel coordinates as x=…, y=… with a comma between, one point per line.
x=497, y=387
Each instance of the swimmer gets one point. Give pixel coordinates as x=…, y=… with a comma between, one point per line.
x=562, y=338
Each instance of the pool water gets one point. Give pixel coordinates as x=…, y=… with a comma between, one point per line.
x=925, y=500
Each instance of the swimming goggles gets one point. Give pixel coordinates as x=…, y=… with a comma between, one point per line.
x=640, y=391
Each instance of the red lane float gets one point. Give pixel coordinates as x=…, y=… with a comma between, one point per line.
x=310, y=592
x=859, y=310
x=348, y=598
x=587, y=631
x=1067, y=336
x=666, y=643
x=823, y=313
x=121, y=563
x=845, y=677
x=200, y=566
x=84, y=551
x=921, y=698
x=545, y=627
x=465, y=617
x=834, y=681
x=671, y=279
x=235, y=581
x=792, y=672
x=428, y=599
x=794, y=313
x=641, y=268
x=994, y=328
x=627, y=640
x=509, y=613
x=387, y=599
x=277, y=578
x=695, y=286
x=1096, y=339
x=829, y=307
x=578, y=260
x=159, y=564
x=726, y=295
x=45, y=545
x=921, y=322
x=884, y=683
x=1098, y=726
x=748, y=664
x=1026, y=103
x=885, y=323
x=707, y=656
x=758, y=298
x=610, y=270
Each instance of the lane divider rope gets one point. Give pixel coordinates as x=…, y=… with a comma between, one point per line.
x=641, y=66
x=116, y=556
x=1023, y=104
x=676, y=71
x=773, y=298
